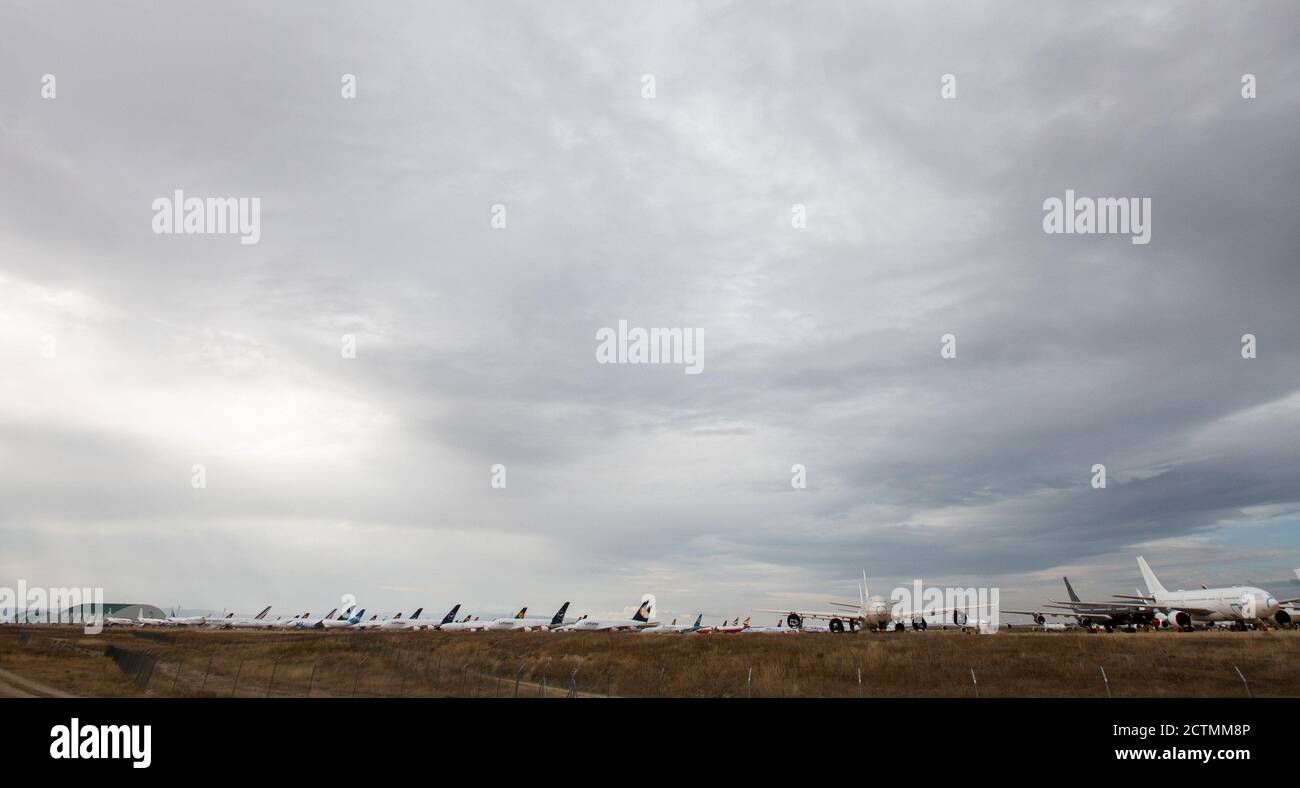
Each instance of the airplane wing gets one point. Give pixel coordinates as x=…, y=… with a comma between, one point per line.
x=813, y=614
x=1097, y=607
x=1042, y=613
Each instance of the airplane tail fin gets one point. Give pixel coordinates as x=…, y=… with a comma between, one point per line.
x=698, y=619
x=521, y=612
x=746, y=622
x=356, y=618
x=262, y=615
x=451, y=614
x=647, y=609
x=1070, y=589
x=417, y=613
x=558, y=618
x=1153, y=583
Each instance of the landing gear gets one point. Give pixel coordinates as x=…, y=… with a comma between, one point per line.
x=837, y=626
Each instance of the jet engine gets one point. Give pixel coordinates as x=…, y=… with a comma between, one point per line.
x=1040, y=619
x=1180, y=619
x=918, y=623
x=794, y=621
x=837, y=626
x=1282, y=618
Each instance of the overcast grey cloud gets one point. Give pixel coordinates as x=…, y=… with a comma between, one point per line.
x=476, y=346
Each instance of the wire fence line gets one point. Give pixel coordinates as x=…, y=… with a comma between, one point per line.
x=365, y=668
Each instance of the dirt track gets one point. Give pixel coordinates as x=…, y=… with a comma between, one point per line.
x=14, y=686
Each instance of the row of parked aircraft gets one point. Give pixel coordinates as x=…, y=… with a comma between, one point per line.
x=1239, y=607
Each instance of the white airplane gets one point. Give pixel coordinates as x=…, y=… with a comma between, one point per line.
x=734, y=626
x=876, y=613
x=138, y=621
x=306, y=622
x=521, y=623
x=397, y=622
x=231, y=620
x=175, y=620
x=466, y=624
x=341, y=622
x=642, y=619
x=1241, y=604
x=776, y=630
x=431, y=624
x=674, y=628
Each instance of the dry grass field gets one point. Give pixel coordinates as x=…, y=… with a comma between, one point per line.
x=217, y=663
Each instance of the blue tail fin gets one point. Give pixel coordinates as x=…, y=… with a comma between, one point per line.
x=451, y=615
x=558, y=618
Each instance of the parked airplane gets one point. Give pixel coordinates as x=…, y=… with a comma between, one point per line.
x=734, y=626
x=138, y=621
x=447, y=619
x=642, y=619
x=231, y=620
x=306, y=622
x=776, y=630
x=521, y=623
x=341, y=622
x=674, y=627
x=1090, y=615
x=1241, y=604
x=397, y=622
x=466, y=624
x=875, y=613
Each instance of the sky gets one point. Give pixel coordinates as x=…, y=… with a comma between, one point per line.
x=128, y=357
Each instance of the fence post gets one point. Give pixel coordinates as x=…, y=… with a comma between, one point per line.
x=206, y=671
x=573, y=683
x=749, y=683
x=180, y=664
x=1243, y=681
x=859, y=682
x=234, y=687
x=975, y=681
x=518, y=673
x=271, y=683
x=311, y=680
x=1104, y=679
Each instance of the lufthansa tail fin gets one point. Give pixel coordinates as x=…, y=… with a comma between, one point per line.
x=647, y=609
x=417, y=613
x=451, y=614
x=558, y=618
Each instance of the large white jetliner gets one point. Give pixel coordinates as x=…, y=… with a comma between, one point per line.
x=642, y=619
x=674, y=628
x=431, y=624
x=521, y=623
x=1241, y=604
x=878, y=613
